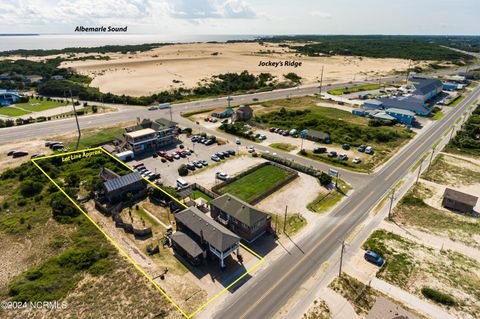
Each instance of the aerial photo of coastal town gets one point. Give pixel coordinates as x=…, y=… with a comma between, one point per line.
x=240, y=159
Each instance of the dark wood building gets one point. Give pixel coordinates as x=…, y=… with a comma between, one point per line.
x=459, y=201
x=240, y=217
x=116, y=188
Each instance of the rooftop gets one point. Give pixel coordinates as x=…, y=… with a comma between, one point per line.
x=460, y=197
x=188, y=244
x=203, y=226
x=405, y=102
x=425, y=86
x=122, y=181
x=140, y=133
x=239, y=209
x=400, y=111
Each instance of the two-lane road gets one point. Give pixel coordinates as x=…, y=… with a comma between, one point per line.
x=271, y=289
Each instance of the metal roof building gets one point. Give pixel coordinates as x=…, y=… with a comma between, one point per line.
x=116, y=188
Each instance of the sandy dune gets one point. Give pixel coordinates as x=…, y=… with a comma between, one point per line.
x=184, y=65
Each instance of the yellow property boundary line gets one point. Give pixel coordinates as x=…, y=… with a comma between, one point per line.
x=188, y=316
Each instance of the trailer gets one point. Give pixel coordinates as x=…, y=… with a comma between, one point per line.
x=125, y=156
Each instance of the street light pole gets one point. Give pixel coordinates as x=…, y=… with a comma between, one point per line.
x=285, y=221
x=76, y=119
x=341, y=259
x=392, y=197
x=321, y=82
x=431, y=158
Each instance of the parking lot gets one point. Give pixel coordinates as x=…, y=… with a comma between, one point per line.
x=169, y=169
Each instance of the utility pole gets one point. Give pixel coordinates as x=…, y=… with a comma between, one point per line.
x=431, y=158
x=321, y=82
x=276, y=223
x=392, y=197
x=76, y=119
x=285, y=221
x=419, y=171
x=171, y=116
x=341, y=259
x=408, y=72
x=336, y=181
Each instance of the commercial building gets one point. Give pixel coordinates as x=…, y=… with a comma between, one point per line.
x=402, y=116
x=243, y=113
x=8, y=97
x=203, y=234
x=426, y=89
x=408, y=103
x=459, y=201
x=222, y=112
x=240, y=217
x=149, y=135
x=372, y=104
x=318, y=136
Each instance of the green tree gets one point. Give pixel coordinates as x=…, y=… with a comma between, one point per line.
x=183, y=170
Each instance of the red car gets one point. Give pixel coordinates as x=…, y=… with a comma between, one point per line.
x=137, y=164
x=161, y=153
x=168, y=157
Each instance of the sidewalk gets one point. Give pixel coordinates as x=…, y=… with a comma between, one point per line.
x=410, y=300
x=340, y=308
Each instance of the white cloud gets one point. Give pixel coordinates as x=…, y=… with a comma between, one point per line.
x=238, y=9
x=321, y=14
x=211, y=9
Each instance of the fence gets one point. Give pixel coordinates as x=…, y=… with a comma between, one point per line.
x=256, y=200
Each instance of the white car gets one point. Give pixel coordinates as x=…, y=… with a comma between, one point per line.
x=153, y=108
x=237, y=141
x=251, y=149
x=222, y=176
x=356, y=160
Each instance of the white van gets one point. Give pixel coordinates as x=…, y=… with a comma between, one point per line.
x=181, y=183
x=164, y=106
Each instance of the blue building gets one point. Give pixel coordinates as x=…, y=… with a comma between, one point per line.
x=408, y=103
x=402, y=116
x=426, y=89
x=449, y=86
x=7, y=98
x=372, y=104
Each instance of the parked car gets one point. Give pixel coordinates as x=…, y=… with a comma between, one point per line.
x=343, y=157
x=255, y=99
x=161, y=153
x=204, y=162
x=191, y=166
x=356, y=160
x=222, y=176
x=219, y=155
x=226, y=154
x=57, y=146
x=320, y=150
x=19, y=154
x=285, y=133
x=194, y=138
x=272, y=129
x=36, y=155
x=346, y=146
x=362, y=148
x=153, y=108
x=198, y=164
x=169, y=157
x=137, y=164
x=215, y=158
x=374, y=258
x=231, y=152
x=176, y=156
x=262, y=137
x=49, y=144
x=209, y=142
x=237, y=141
x=369, y=150
x=10, y=153
x=251, y=149
x=332, y=154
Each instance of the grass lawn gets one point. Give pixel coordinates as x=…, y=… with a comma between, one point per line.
x=11, y=111
x=295, y=222
x=413, y=266
x=199, y=194
x=353, y=89
x=256, y=183
x=287, y=147
x=449, y=170
x=438, y=115
x=36, y=105
x=324, y=202
x=457, y=100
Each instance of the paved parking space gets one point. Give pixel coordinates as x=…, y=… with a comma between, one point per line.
x=169, y=170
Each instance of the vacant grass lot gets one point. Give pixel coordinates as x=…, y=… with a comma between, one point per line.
x=94, y=137
x=449, y=170
x=412, y=266
x=256, y=183
x=413, y=211
x=324, y=202
x=295, y=222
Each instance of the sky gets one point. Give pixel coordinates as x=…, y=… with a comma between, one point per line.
x=256, y=17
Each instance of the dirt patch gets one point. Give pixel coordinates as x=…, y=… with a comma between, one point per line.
x=31, y=146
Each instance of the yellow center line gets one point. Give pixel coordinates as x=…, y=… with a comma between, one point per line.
x=246, y=313
x=421, y=145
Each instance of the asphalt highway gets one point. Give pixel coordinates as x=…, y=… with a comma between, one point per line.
x=271, y=289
